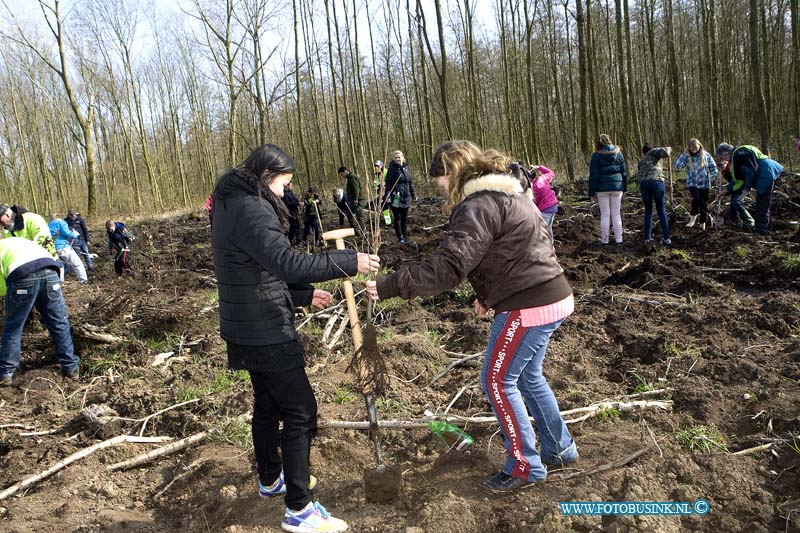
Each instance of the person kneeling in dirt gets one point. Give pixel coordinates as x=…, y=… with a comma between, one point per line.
x=749, y=168
x=497, y=240
x=651, y=187
x=260, y=281
x=63, y=237
x=119, y=242
x=29, y=277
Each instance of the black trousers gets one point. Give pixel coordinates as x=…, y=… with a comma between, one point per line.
x=284, y=396
x=400, y=215
x=295, y=234
x=699, y=204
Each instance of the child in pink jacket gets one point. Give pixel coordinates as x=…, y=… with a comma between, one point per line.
x=543, y=196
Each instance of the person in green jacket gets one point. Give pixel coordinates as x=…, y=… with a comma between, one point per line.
x=19, y=222
x=29, y=277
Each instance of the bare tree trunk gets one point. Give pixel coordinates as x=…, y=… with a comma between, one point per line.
x=334, y=84
x=622, y=83
x=298, y=86
x=583, y=81
x=758, y=91
x=675, y=86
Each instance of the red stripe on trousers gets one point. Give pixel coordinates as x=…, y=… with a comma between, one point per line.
x=505, y=347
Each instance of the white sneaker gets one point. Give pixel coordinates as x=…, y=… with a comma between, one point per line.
x=312, y=518
x=692, y=219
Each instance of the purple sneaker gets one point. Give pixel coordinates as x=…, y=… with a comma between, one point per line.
x=312, y=518
x=279, y=487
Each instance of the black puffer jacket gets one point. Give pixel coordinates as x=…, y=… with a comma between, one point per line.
x=260, y=278
x=398, y=180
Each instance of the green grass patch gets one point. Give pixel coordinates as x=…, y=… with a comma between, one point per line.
x=390, y=406
x=386, y=336
x=392, y=304
x=741, y=251
x=608, y=413
x=683, y=254
x=435, y=337
x=464, y=292
x=96, y=366
x=342, y=396
x=642, y=385
x=236, y=431
x=223, y=383
x=704, y=438
x=786, y=260
x=167, y=343
x=795, y=444
x=672, y=348
x=209, y=297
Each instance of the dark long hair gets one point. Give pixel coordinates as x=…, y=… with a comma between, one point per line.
x=253, y=176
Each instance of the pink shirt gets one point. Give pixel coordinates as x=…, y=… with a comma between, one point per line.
x=543, y=195
x=547, y=314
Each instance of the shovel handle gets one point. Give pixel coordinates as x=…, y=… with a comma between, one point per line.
x=352, y=310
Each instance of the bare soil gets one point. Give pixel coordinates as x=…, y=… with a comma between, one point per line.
x=715, y=318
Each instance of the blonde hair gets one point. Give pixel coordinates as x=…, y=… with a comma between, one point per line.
x=463, y=161
x=398, y=152
x=700, y=151
x=602, y=141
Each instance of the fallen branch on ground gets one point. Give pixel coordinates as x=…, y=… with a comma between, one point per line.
x=590, y=411
x=452, y=366
x=159, y=452
x=755, y=449
x=88, y=331
x=603, y=468
x=27, y=482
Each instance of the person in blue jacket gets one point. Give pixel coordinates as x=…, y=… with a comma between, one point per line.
x=750, y=169
x=608, y=180
x=63, y=238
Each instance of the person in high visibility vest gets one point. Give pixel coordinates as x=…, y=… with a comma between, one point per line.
x=749, y=168
x=29, y=277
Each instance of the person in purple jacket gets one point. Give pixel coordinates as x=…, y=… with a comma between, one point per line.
x=543, y=195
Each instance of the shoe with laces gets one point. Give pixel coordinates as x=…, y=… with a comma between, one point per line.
x=556, y=462
x=312, y=518
x=502, y=482
x=279, y=487
x=7, y=380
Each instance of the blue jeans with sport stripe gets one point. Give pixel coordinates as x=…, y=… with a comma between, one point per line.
x=515, y=386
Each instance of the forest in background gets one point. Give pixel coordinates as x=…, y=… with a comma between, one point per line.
x=124, y=107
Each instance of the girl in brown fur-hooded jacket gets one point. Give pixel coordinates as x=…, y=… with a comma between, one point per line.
x=499, y=242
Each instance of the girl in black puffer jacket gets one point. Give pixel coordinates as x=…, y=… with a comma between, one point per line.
x=260, y=281
x=399, y=193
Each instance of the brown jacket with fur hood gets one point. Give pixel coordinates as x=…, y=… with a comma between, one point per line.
x=499, y=242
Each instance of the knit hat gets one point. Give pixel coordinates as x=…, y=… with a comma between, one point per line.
x=724, y=149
